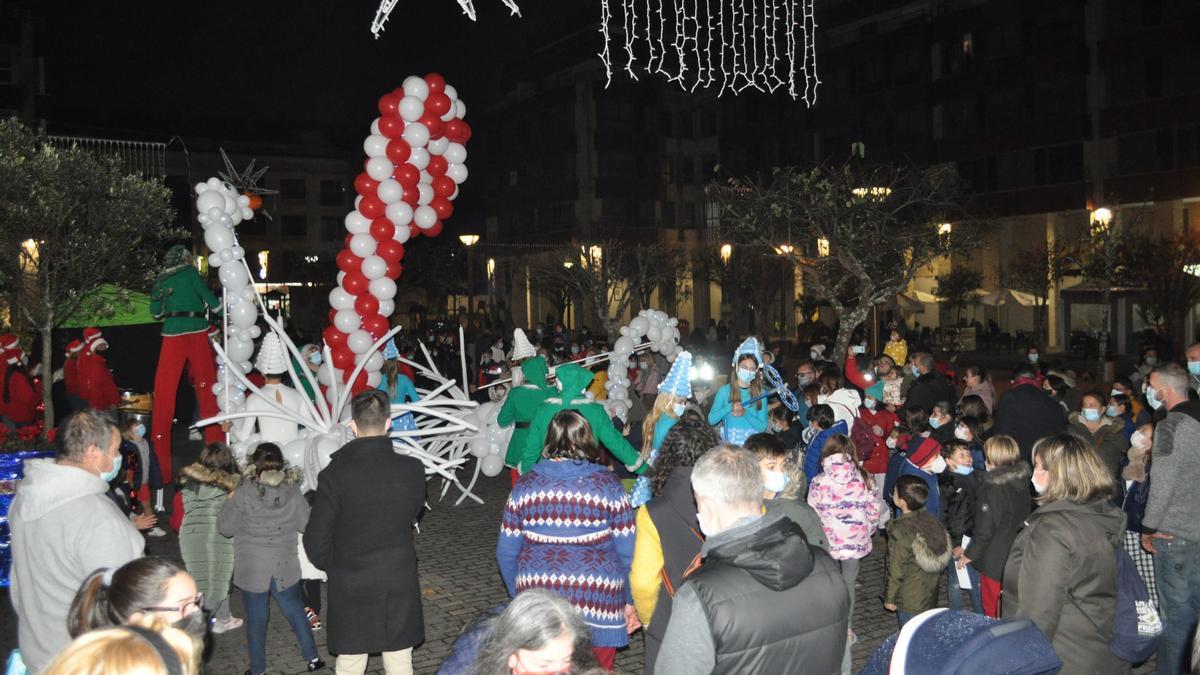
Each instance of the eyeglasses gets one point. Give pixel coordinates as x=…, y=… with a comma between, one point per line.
x=198, y=601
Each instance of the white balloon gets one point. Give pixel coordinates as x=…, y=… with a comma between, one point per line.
x=373, y=379
x=386, y=307
x=240, y=350
x=417, y=136
x=456, y=153
x=214, y=183
x=374, y=267
x=492, y=465
x=390, y=191
x=450, y=113
x=416, y=86
x=460, y=110
x=403, y=233
x=243, y=200
x=479, y=447
x=451, y=92
x=340, y=299
x=623, y=345
x=384, y=289
x=200, y=188
x=217, y=237
x=234, y=277
x=425, y=217
x=347, y=320
x=375, y=126
x=380, y=168
x=411, y=108
x=654, y=333
x=424, y=194
x=359, y=341
x=438, y=146
x=375, y=145
x=672, y=322
x=210, y=199
x=247, y=213
x=248, y=295
x=374, y=361
x=639, y=325
x=457, y=173
x=243, y=315
x=226, y=255
x=255, y=331
x=357, y=223
x=363, y=245
x=400, y=214
x=324, y=376
x=294, y=452
x=204, y=219
x=419, y=158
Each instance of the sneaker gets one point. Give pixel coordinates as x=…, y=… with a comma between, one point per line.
x=314, y=619
x=156, y=531
x=315, y=665
x=226, y=625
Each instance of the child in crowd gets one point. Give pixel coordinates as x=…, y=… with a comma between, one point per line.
x=823, y=425
x=731, y=407
x=204, y=487
x=941, y=422
x=967, y=429
x=787, y=428
x=1002, y=504
x=918, y=552
x=146, y=479
x=673, y=394
x=957, y=490
x=924, y=460
x=774, y=461
x=896, y=347
x=1135, y=487
x=880, y=421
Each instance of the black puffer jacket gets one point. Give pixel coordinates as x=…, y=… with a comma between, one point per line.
x=1002, y=503
x=930, y=389
x=674, y=516
x=957, y=496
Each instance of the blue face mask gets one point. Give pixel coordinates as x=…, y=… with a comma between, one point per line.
x=315, y=358
x=934, y=422
x=678, y=409
x=1090, y=414
x=963, y=470
x=746, y=376
x=1112, y=411
x=140, y=431
x=775, y=481
x=915, y=371
x=107, y=476
x=1194, y=368
x=1152, y=399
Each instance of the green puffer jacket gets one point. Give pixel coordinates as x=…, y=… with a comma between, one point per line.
x=917, y=557
x=573, y=380
x=521, y=405
x=207, y=555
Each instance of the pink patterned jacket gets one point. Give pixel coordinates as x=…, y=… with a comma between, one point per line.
x=847, y=506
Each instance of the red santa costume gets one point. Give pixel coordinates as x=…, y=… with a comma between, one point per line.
x=96, y=384
x=18, y=395
x=71, y=369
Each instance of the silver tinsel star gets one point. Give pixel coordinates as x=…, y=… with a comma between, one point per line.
x=246, y=180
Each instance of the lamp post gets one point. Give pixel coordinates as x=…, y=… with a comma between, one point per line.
x=785, y=251
x=469, y=240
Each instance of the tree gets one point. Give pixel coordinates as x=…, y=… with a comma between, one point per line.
x=70, y=222
x=1103, y=258
x=859, y=234
x=1036, y=272
x=958, y=290
x=1166, y=265
x=748, y=277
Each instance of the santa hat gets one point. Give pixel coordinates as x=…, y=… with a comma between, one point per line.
x=924, y=452
x=750, y=346
x=93, y=338
x=270, y=356
x=390, y=351
x=522, y=348
x=8, y=341
x=13, y=356
x=678, y=380
x=74, y=347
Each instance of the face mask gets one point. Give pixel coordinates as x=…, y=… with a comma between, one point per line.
x=963, y=470
x=1152, y=361
x=1033, y=358
x=938, y=465
x=934, y=422
x=139, y=431
x=315, y=358
x=775, y=481
x=891, y=442
x=1090, y=414
x=109, y=475
x=746, y=376
x=574, y=349
x=1138, y=440
x=678, y=409
x=916, y=372
x=1112, y=411
x=644, y=366
x=193, y=624
x=1038, y=488
x=869, y=403
x=804, y=380
x=1153, y=400
x=815, y=356
x=962, y=434
x=1194, y=367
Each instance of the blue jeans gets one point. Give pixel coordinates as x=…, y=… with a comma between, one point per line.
x=291, y=603
x=903, y=617
x=1177, y=573
x=955, y=592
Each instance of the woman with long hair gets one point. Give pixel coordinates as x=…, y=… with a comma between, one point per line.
x=539, y=632
x=568, y=528
x=672, y=401
x=397, y=385
x=732, y=407
x=140, y=589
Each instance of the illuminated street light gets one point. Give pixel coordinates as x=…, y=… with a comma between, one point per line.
x=784, y=249
x=568, y=264
x=1100, y=219
x=263, y=258
x=875, y=192
x=823, y=247
x=468, y=239
x=726, y=253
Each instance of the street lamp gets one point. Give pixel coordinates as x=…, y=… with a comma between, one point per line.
x=1100, y=219
x=469, y=240
x=726, y=253
x=823, y=247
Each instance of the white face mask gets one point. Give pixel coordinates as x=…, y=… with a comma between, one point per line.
x=938, y=465
x=1138, y=440
x=1037, y=488
x=869, y=403
x=891, y=442
x=962, y=434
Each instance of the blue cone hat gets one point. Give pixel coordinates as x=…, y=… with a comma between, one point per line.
x=390, y=351
x=750, y=346
x=678, y=380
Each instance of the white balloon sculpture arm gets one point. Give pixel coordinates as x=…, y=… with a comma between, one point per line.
x=321, y=412
x=312, y=424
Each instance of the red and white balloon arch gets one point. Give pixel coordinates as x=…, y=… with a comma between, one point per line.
x=415, y=162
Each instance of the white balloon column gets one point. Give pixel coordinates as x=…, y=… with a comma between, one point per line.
x=660, y=331
x=416, y=159
x=221, y=208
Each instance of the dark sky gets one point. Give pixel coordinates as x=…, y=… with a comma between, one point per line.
x=136, y=65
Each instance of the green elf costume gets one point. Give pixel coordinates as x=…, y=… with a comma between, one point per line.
x=521, y=405
x=573, y=380
x=182, y=300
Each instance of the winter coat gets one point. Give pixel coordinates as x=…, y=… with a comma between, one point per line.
x=847, y=506
x=19, y=397
x=63, y=529
x=918, y=554
x=521, y=405
x=803, y=515
x=930, y=389
x=1027, y=414
x=573, y=380
x=933, y=504
x=845, y=404
x=1003, y=500
x=207, y=554
x=667, y=544
x=764, y=601
x=1062, y=574
x=985, y=391
x=957, y=495
x=1109, y=441
x=886, y=420
x=96, y=383
x=1172, y=506
x=812, y=454
x=263, y=517
x=360, y=534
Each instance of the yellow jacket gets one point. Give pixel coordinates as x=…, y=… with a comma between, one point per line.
x=645, y=576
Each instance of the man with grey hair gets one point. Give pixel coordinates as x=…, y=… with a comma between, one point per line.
x=64, y=527
x=1171, y=524
x=764, y=600
x=930, y=385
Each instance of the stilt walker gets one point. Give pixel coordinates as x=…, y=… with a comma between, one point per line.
x=182, y=300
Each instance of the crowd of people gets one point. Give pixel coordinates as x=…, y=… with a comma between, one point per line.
x=726, y=525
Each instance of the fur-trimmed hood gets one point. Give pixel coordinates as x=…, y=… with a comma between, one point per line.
x=1013, y=473
x=931, y=543
x=273, y=478
x=200, y=474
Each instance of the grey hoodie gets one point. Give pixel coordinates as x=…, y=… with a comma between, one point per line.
x=63, y=529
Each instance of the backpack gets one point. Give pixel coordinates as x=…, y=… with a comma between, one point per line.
x=863, y=438
x=1137, y=626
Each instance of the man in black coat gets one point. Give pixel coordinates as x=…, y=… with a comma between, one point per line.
x=360, y=534
x=1027, y=413
x=931, y=386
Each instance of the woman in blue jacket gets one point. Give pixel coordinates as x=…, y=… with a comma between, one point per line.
x=739, y=422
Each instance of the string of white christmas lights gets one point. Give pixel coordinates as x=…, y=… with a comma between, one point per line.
x=630, y=9
x=605, y=16
x=811, y=81
x=468, y=7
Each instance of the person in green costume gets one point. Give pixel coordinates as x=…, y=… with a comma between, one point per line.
x=520, y=406
x=572, y=381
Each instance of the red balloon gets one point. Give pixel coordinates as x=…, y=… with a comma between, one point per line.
x=390, y=250
x=388, y=104
x=399, y=91
x=355, y=283
x=435, y=126
x=435, y=230
x=334, y=337
x=438, y=104
x=443, y=207
x=365, y=185
x=437, y=83
x=383, y=230
x=375, y=324
x=343, y=358
x=347, y=239
x=443, y=186
x=394, y=270
x=391, y=126
x=455, y=130
x=414, y=232
x=372, y=207
x=407, y=175
x=366, y=304
x=360, y=384
x=437, y=166
x=332, y=314
x=466, y=131
x=398, y=151
x=411, y=196
x=347, y=261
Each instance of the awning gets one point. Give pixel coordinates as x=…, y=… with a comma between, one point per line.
x=132, y=313
x=1006, y=296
